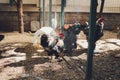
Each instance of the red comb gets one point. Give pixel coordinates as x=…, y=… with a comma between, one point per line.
x=100, y=20
x=61, y=35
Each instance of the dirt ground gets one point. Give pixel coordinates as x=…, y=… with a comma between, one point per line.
x=20, y=60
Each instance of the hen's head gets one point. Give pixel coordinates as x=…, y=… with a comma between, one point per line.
x=61, y=35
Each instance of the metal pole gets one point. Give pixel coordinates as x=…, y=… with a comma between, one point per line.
x=63, y=4
x=43, y=12
x=101, y=7
x=91, y=42
x=39, y=13
x=11, y=2
x=50, y=13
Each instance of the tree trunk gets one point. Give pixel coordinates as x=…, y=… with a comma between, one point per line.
x=20, y=16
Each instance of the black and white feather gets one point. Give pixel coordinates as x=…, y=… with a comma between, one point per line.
x=1, y=37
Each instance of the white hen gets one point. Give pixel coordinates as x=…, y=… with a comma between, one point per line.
x=44, y=30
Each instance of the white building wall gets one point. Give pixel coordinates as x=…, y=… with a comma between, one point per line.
x=24, y=1
x=111, y=6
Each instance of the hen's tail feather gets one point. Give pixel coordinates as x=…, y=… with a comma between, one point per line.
x=1, y=37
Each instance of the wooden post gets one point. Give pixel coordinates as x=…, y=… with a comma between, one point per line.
x=20, y=16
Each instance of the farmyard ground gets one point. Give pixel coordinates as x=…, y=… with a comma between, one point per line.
x=20, y=60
